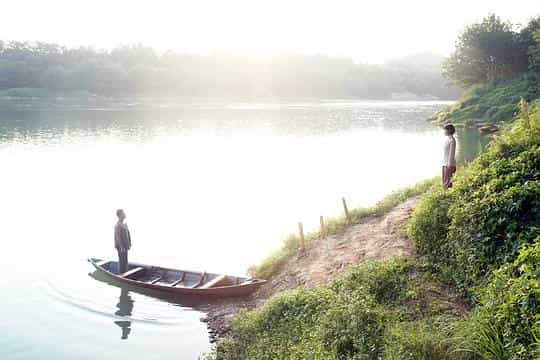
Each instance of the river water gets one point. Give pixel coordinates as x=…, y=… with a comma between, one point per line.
x=206, y=186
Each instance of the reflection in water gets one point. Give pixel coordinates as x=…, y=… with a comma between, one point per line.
x=471, y=143
x=125, y=307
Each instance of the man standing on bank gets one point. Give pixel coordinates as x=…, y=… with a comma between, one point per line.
x=122, y=241
x=449, y=157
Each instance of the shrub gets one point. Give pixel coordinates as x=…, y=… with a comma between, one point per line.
x=494, y=211
x=429, y=224
x=502, y=113
x=419, y=340
x=506, y=324
x=285, y=327
x=351, y=318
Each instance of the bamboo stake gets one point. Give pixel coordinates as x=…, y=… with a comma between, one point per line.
x=301, y=232
x=323, y=230
x=347, y=216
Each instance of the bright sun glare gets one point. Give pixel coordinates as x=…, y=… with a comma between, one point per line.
x=368, y=31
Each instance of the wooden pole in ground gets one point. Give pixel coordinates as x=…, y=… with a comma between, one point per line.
x=323, y=230
x=301, y=232
x=347, y=216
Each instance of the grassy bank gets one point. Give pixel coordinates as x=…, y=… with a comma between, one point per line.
x=491, y=104
x=478, y=243
x=272, y=263
x=378, y=310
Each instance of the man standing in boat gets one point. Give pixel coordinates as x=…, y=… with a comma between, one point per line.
x=122, y=241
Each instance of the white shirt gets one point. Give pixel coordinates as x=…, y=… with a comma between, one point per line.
x=449, y=157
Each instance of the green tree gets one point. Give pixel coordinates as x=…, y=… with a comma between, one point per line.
x=534, y=52
x=529, y=38
x=484, y=51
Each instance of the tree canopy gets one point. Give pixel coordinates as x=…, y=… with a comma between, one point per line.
x=493, y=49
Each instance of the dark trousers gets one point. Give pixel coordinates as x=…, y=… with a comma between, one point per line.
x=122, y=262
x=447, y=173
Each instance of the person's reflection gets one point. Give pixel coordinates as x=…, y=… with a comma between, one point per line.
x=125, y=307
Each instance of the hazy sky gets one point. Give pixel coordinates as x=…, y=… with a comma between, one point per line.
x=368, y=31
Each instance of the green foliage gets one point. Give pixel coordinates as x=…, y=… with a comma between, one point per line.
x=420, y=340
x=494, y=102
x=489, y=50
x=429, y=224
x=491, y=61
x=506, y=324
x=501, y=113
x=355, y=317
x=269, y=266
x=531, y=41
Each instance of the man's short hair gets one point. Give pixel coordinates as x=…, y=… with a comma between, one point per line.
x=450, y=128
x=119, y=211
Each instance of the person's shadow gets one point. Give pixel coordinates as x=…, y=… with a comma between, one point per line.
x=125, y=307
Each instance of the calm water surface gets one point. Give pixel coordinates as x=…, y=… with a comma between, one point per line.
x=205, y=186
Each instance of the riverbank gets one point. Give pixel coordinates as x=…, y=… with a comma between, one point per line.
x=488, y=107
x=378, y=233
x=469, y=290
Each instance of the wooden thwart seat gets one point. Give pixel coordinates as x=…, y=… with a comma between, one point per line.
x=196, y=285
x=179, y=280
x=215, y=281
x=156, y=280
x=131, y=272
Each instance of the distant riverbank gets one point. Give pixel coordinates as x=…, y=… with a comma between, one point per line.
x=45, y=94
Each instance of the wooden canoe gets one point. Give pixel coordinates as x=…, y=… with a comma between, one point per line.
x=178, y=282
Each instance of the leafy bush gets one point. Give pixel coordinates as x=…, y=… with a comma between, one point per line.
x=419, y=340
x=495, y=210
x=429, y=224
x=500, y=113
x=351, y=318
x=506, y=324
x=285, y=327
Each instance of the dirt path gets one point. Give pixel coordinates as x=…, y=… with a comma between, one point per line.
x=376, y=237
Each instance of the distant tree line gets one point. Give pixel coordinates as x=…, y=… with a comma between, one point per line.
x=139, y=70
x=494, y=49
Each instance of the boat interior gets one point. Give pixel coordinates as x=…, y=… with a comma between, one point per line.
x=154, y=275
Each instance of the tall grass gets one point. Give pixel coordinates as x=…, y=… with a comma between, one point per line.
x=481, y=339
